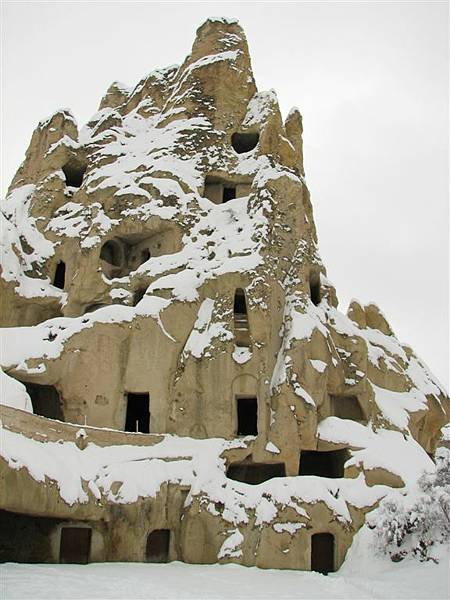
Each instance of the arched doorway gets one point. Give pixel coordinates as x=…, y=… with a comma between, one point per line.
x=157, y=549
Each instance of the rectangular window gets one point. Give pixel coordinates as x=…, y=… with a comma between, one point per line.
x=322, y=553
x=229, y=193
x=75, y=545
x=138, y=412
x=323, y=464
x=247, y=416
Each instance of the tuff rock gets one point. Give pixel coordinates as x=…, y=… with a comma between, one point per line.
x=160, y=270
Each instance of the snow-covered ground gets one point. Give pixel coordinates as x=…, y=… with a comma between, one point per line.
x=408, y=579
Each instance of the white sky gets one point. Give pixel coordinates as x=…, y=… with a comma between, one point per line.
x=371, y=80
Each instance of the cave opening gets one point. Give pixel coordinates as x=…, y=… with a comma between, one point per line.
x=229, y=193
x=45, y=400
x=59, y=280
x=247, y=415
x=323, y=464
x=111, y=253
x=75, y=545
x=244, y=142
x=157, y=548
x=138, y=295
x=138, y=412
x=322, y=553
x=74, y=173
x=314, y=288
x=241, y=325
x=255, y=473
x=25, y=538
x=347, y=407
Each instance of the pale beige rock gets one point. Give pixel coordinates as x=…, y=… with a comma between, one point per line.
x=133, y=206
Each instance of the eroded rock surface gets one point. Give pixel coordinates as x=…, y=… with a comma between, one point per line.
x=161, y=273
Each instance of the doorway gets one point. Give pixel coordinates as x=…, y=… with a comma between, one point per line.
x=59, y=280
x=138, y=413
x=75, y=546
x=322, y=553
x=45, y=401
x=247, y=416
x=158, y=542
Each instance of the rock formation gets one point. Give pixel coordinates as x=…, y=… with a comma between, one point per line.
x=197, y=395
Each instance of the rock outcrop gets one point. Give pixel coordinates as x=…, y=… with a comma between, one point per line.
x=166, y=314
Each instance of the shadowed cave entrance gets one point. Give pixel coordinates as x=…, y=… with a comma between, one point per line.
x=138, y=412
x=25, y=539
x=244, y=142
x=247, y=415
x=241, y=326
x=314, y=288
x=322, y=553
x=74, y=173
x=229, y=193
x=59, y=280
x=220, y=190
x=75, y=545
x=347, y=407
x=45, y=400
x=323, y=464
x=112, y=253
x=255, y=473
x=157, y=549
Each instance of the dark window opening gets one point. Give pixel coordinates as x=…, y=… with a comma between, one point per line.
x=138, y=295
x=111, y=253
x=347, y=407
x=244, y=142
x=314, y=288
x=59, y=280
x=45, y=401
x=138, y=413
x=229, y=193
x=145, y=255
x=247, y=416
x=323, y=464
x=26, y=539
x=158, y=542
x=74, y=173
x=240, y=305
x=241, y=326
x=322, y=553
x=75, y=545
x=255, y=473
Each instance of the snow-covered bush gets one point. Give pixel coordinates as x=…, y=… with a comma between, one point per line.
x=415, y=528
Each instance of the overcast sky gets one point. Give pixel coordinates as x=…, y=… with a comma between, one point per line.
x=371, y=80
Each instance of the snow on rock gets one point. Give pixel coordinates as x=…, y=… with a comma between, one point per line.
x=148, y=153
x=141, y=470
x=241, y=355
x=291, y=528
x=270, y=447
x=386, y=449
x=396, y=406
x=319, y=365
x=13, y=393
x=46, y=340
x=204, y=331
x=230, y=547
